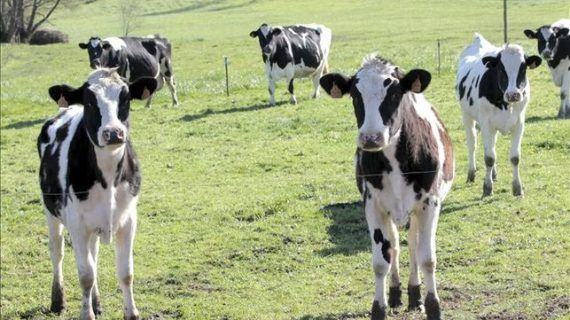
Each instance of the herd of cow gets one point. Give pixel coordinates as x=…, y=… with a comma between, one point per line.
x=90, y=177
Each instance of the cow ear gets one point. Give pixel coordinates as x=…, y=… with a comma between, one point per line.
x=276, y=31
x=336, y=84
x=533, y=61
x=65, y=95
x=560, y=32
x=142, y=88
x=106, y=45
x=530, y=34
x=83, y=45
x=416, y=80
x=253, y=34
x=490, y=61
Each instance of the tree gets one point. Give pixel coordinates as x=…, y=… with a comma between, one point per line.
x=129, y=16
x=20, y=18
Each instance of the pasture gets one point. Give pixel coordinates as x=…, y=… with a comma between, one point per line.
x=251, y=212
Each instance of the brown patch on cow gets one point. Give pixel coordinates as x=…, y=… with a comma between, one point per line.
x=418, y=132
x=145, y=94
x=417, y=86
x=62, y=103
x=335, y=91
x=127, y=280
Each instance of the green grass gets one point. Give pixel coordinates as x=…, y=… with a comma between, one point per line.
x=251, y=212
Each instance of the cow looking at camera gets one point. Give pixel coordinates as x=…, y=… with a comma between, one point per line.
x=291, y=52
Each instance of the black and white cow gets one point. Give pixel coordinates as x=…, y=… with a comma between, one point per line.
x=291, y=52
x=90, y=181
x=493, y=90
x=404, y=170
x=135, y=57
x=554, y=47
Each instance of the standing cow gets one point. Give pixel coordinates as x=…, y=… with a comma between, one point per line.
x=291, y=52
x=404, y=170
x=493, y=90
x=554, y=47
x=135, y=58
x=90, y=181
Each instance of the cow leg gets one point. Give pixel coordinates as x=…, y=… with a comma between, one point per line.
x=148, y=101
x=515, y=157
x=379, y=231
x=414, y=294
x=471, y=134
x=565, y=97
x=316, y=84
x=94, y=251
x=395, y=293
x=427, y=225
x=86, y=269
x=124, y=261
x=56, y=245
x=271, y=89
x=172, y=88
x=489, y=140
x=293, y=99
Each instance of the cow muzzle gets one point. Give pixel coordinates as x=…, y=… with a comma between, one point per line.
x=113, y=136
x=266, y=50
x=512, y=97
x=371, y=142
x=547, y=54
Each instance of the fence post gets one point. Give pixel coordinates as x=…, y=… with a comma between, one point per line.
x=227, y=78
x=438, y=57
x=505, y=21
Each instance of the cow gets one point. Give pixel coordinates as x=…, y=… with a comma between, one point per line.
x=554, y=47
x=404, y=170
x=290, y=52
x=90, y=181
x=493, y=91
x=135, y=57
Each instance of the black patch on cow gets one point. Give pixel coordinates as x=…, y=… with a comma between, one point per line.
x=58, y=303
x=489, y=161
x=378, y=312
x=432, y=307
x=490, y=90
x=91, y=115
x=470, y=101
x=416, y=152
x=371, y=166
x=395, y=297
x=291, y=86
x=389, y=106
x=414, y=298
x=515, y=161
x=562, y=52
x=379, y=238
x=461, y=86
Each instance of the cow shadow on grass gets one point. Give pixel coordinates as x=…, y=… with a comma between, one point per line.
x=348, y=230
x=330, y=316
x=24, y=124
x=202, y=5
x=209, y=112
x=534, y=119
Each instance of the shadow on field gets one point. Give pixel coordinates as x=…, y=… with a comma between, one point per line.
x=348, y=230
x=202, y=5
x=346, y=315
x=534, y=119
x=209, y=112
x=34, y=313
x=24, y=124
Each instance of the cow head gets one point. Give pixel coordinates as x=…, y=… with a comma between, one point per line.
x=510, y=66
x=377, y=90
x=106, y=102
x=547, y=38
x=103, y=53
x=94, y=49
x=267, y=36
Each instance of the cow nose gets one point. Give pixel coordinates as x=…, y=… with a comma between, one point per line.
x=95, y=63
x=513, y=97
x=371, y=141
x=547, y=54
x=114, y=136
x=266, y=50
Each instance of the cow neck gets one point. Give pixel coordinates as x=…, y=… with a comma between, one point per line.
x=109, y=161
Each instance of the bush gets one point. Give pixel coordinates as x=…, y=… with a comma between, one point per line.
x=46, y=36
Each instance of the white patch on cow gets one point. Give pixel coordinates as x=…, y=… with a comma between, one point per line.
x=95, y=43
x=512, y=57
x=265, y=30
x=116, y=43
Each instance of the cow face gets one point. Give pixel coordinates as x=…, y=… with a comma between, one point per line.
x=377, y=90
x=266, y=35
x=547, y=39
x=510, y=66
x=94, y=49
x=106, y=102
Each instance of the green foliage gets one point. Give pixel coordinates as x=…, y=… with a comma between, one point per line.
x=251, y=212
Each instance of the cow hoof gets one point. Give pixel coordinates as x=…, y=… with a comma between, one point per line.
x=97, y=306
x=433, y=311
x=58, y=307
x=395, y=297
x=58, y=303
x=414, y=298
x=378, y=312
x=517, y=189
x=132, y=317
x=293, y=101
x=487, y=189
x=470, y=176
x=87, y=315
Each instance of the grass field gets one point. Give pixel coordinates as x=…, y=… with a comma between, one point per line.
x=251, y=212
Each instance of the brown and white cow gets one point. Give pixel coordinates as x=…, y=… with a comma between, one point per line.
x=404, y=170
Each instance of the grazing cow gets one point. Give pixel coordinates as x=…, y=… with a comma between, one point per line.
x=404, y=170
x=554, y=47
x=291, y=52
x=90, y=180
x=493, y=90
x=135, y=57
